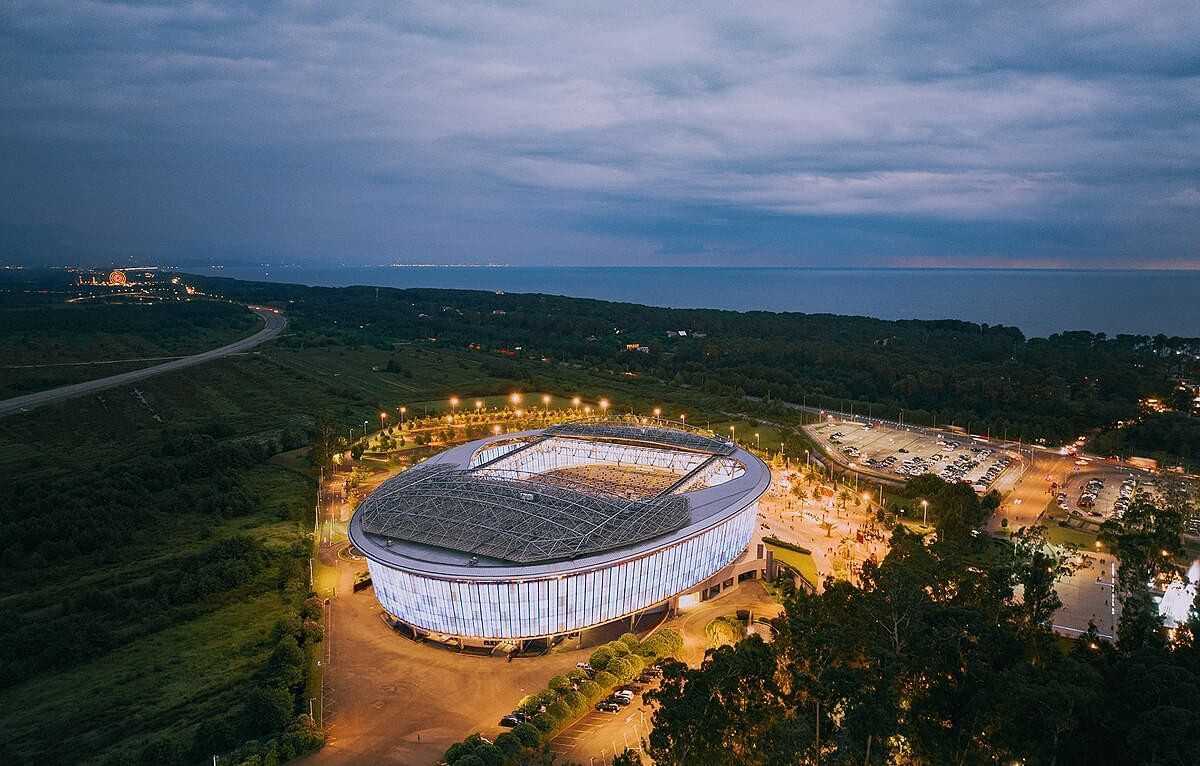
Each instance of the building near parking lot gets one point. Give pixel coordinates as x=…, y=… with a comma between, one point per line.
x=548, y=532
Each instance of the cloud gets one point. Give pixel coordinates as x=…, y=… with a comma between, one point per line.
x=1189, y=198
x=430, y=127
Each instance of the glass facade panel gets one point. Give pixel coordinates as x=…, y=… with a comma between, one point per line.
x=560, y=604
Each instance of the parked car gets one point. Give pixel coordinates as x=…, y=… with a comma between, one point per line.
x=608, y=707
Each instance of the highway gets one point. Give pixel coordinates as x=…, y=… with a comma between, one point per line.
x=275, y=322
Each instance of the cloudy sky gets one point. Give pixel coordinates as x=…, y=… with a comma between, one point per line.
x=950, y=133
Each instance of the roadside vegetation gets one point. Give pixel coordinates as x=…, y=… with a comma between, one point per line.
x=565, y=699
x=45, y=345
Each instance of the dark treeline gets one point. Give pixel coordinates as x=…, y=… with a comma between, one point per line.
x=944, y=372
x=1173, y=438
x=47, y=328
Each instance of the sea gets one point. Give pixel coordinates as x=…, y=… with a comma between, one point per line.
x=1038, y=301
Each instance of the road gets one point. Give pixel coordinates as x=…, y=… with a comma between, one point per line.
x=275, y=322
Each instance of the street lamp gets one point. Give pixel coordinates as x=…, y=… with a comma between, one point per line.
x=546, y=403
x=382, y=417
x=453, y=403
x=478, y=404
x=683, y=417
x=575, y=402
x=658, y=412
x=402, y=411
x=515, y=398
x=604, y=407
x=925, y=513
x=732, y=435
x=757, y=443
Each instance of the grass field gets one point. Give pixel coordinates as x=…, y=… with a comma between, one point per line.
x=48, y=346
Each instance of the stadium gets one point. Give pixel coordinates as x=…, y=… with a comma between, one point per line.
x=549, y=532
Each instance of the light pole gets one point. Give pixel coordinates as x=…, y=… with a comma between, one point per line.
x=453, y=404
x=382, y=418
x=925, y=513
x=732, y=435
x=546, y=403
x=402, y=411
x=604, y=407
x=657, y=412
x=575, y=402
x=757, y=443
x=683, y=417
x=478, y=405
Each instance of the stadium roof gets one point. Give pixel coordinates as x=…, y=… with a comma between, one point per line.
x=502, y=515
x=675, y=437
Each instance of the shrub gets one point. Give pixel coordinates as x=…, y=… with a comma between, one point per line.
x=624, y=669
x=266, y=710
x=560, y=711
x=560, y=684
x=605, y=680
x=600, y=658
x=617, y=648
x=468, y=760
x=631, y=641
x=590, y=690
x=544, y=722
x=508, y=743
x=575, y=701
x=655, y=647
x=528, y=734
x=577, y=675
x=489, y=754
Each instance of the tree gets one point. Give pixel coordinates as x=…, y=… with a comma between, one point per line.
x=266, y=710
x=600, y=658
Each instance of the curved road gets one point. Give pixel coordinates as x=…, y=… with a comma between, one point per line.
x=275, y=322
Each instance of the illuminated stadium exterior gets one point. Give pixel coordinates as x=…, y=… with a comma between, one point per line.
x=548, y=532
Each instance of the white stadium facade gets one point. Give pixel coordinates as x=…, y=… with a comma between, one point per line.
x=546, y=533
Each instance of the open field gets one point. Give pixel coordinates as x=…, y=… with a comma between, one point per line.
x=49, y=346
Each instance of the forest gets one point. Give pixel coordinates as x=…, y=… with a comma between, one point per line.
x=985, y=378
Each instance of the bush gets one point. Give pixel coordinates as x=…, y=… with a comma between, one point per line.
x=508, y=743
x=266, y=710
x=577, y=675
x=655, y=647
x=631, y=641
x=600, y=658
x=575, y=701
x=623, y=669
x=560, y=711
x=468, y=760
x=545, y=722
x=605, y=680
x=617, y=648
x=528, y=734
x=489, y=754
x=590, y=690
x=560, y=684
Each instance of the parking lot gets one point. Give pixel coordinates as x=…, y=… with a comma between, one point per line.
x=599, y=735
x=1098, y=493
x=899, y=454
